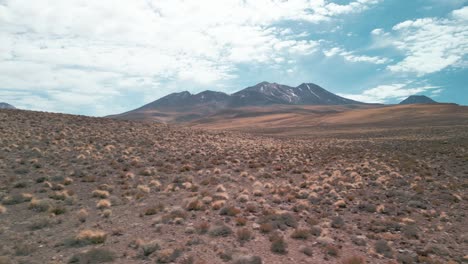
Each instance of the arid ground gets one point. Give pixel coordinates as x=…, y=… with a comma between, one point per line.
x=77, y=189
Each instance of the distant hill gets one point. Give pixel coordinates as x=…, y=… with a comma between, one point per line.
x=196, y=106
x=418, y=99
x=6, y=106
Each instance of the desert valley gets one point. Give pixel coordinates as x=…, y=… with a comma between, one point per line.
x=271, y=174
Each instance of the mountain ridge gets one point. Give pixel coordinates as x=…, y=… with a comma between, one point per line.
x=263, y=93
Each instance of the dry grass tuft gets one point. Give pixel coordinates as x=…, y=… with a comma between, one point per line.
x=103, y=204
x=91, y=237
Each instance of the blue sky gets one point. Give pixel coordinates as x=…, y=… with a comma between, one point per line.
x=110, y=56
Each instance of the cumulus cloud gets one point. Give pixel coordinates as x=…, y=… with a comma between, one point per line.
x=431, y=44
x=391, y=92
x=352, y=57
x=82, y=46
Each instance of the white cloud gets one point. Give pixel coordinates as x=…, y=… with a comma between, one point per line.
x=386, y=93
x=461, y=14
x=431, y=44
x=78, y=46
x=351, y=57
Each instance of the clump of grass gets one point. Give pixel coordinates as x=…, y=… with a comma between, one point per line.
x=103, y=204
x=306, y=250
x=278, y=245
x=91, y=237
x=337, y=222
x=331, y=250
x=149, y=247
x=61, y=195
x=168, y=255
x=279, y=221
x=243, y=235
x=229, y=211
x=382, y=247
x=39, y=205
x=247, y=259
x=107, y=213
x=95, y=255
x=220, y=230
x=266, y=228
x=240, y=221
x=354, y=260
x=24, y=249
x=202, y=228
x=58, y=209
x=100, y=194
x=40, y=223
x=195, y=205
x=300, y=233
x=16, y=199
x=82, y=215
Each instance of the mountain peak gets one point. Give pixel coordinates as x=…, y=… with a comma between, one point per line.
x=6, y=106
x=418, y=99
x=261, y=94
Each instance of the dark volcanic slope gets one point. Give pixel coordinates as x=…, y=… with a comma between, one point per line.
x=75, y=189
x=261, y=94
x=6, y=106
x=418, y=99
x=195, y=106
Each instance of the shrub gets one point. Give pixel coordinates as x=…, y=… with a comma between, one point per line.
x=16, y=199
x=168, y=255
x=278, y=245
x=382, y=247
x=107, y=213
x=244, y=235
x=331, y=250
x=39, y=205
x=410, y=231
x=247, y=259
x=82, y=215
x=315, y=231
x=300, y=233
x=337, y=222
x=91, y=237
x=195, y=205
x=104, y=203
x=279, y=221
x=59, y=195
x=149, y=247
x=58, y=209
x=229, y=211
x=220, y=230
x=23, y=249
x=266, y=228
x=240, y=221
x=354, y=260
x=100, y=194
x=93, y=256
x=40, y=223
x=306, y=250
x=203, y=227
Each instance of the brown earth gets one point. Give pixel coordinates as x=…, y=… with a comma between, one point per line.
x=77, y=189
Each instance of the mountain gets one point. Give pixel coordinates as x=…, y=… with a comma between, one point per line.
x=6, y=106
x=261, y=94
x=418, y=99
x=185, y=107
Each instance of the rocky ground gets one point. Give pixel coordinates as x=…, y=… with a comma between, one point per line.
x=77, y=189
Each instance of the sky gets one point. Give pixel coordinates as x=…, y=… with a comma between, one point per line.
x=109, y=56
